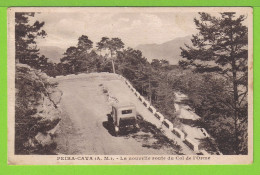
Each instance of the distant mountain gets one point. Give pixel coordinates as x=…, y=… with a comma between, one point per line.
x=169, y=50
x=54, y=53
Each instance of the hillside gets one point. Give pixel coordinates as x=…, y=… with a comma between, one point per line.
x=169, y=50
x=37, y=114
x=54, y=53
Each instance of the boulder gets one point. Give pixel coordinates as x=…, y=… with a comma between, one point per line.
x=44, y=139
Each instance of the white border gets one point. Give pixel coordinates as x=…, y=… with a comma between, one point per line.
x=52, y=160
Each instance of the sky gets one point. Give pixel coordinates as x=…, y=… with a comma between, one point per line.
x=64, y=29
x=134, y=26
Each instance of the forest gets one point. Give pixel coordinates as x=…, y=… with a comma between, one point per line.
x=213, y=72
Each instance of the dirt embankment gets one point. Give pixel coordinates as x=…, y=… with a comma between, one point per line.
x=37, y=112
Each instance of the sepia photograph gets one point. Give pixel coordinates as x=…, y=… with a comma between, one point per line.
x=130, y=85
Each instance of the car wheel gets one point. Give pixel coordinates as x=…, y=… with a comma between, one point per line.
x=116, y=130
x=137, y=126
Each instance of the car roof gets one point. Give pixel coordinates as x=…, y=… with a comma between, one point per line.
x=123, y=105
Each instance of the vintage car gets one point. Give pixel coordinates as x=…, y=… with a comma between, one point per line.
x=123, y=116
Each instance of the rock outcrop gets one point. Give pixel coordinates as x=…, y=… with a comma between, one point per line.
x=37, y=112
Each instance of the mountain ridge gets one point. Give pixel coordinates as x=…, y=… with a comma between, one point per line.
x=54, y=53
x=169, y=50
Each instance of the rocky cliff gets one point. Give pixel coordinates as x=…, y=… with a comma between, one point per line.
x=37, y=112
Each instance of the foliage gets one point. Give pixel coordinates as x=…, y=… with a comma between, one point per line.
x=221, y=47
x=80, y=58
x=113, y=45
x=25, y=34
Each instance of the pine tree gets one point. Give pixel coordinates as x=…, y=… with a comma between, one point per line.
x=221, y=46
x=113, y=45
x=77, y=59
x=26, y=50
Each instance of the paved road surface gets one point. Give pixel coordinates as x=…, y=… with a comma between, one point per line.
x=83, y=129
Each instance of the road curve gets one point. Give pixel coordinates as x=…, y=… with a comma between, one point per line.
x=83, y=128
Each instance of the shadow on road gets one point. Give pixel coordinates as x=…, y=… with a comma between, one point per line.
x=108, y=125
x=108, y=128
x=148, y=135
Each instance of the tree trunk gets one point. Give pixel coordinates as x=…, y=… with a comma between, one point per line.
x=234, y=74
x=236, y=144
x=113, y=64
x=150, y=91
x=114, y=71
